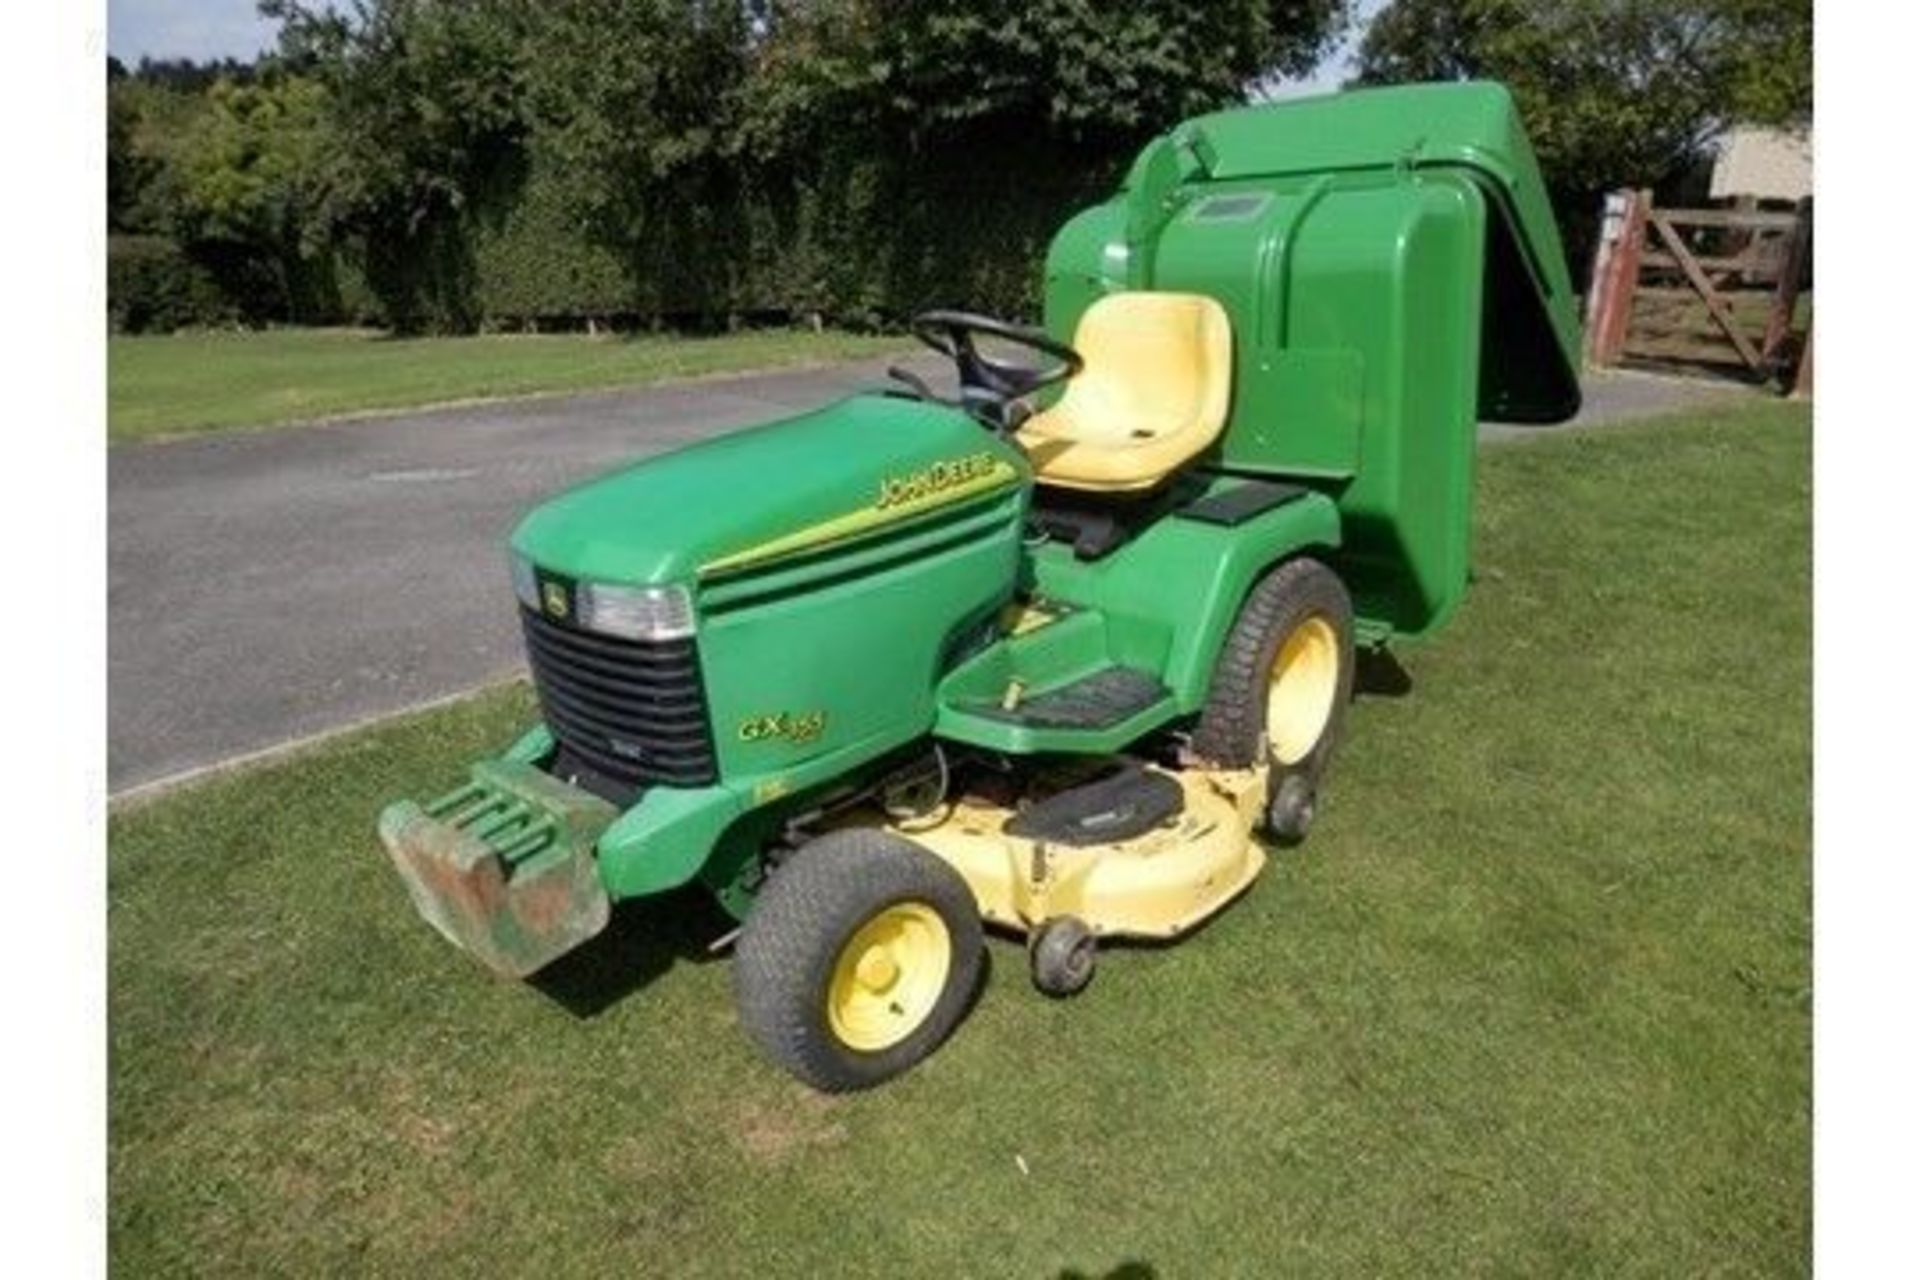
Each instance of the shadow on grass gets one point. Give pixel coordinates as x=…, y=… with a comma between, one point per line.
x=642, y=941
x=1132, y=1269
x=1377, y=673
x=646, y=936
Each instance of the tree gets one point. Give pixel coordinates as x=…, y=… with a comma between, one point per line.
x=942, y=141
x=761, y=131
x=1074, y=68
x=426, y=139
x=1769, y=60
x=1614, y=92
x=861, y=156
x=184, y=75
x=144, y=119
x=243, y=185
x=633, y=105
x=127, y=172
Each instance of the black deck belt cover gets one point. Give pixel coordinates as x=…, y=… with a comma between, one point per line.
x=1120, y=806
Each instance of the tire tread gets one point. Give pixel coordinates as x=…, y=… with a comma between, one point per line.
x=1232, y=724
x=805, y=913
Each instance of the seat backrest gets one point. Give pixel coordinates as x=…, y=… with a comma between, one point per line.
x=1153, y=394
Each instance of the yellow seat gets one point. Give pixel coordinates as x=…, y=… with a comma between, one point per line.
x=1153, y=394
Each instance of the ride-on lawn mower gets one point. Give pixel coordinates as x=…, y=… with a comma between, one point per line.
x=1049, y=654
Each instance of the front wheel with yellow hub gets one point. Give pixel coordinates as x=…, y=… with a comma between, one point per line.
x=1280, y=689
x=858, y=959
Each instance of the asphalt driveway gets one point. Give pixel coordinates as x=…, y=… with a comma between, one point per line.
x=267, y=587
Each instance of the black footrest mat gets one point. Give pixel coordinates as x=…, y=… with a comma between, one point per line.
x=1242, y=503
x=1118, y=807
x=1091, y=702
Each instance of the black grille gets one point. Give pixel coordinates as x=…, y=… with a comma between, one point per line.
x=634, y=710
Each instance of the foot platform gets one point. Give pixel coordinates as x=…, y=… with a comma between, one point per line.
x=1098, y=701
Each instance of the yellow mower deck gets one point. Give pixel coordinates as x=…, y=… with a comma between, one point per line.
x=1157, y=885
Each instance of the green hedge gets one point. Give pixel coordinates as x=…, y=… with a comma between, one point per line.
x=859, y=243
x=539, y=266
x=154, y=287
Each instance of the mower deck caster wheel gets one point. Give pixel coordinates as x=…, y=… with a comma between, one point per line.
x=1290, y=812
x=1062, y=954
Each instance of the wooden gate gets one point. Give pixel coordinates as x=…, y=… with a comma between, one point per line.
x=1725, y=287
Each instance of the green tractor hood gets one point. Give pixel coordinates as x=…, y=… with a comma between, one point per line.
x=755, y=496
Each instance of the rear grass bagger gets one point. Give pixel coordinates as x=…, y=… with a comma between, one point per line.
x=1049, y=655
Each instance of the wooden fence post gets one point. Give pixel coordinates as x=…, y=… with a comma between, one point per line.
x=1786, y=293
x=1620, y=272
x=1803, y=377
x=1613, y=207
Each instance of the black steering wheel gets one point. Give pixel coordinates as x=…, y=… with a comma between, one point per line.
x=988, y=385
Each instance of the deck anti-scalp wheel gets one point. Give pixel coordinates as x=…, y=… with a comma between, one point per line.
x=1061, y=953
x=1281, y=685
x=858, y=959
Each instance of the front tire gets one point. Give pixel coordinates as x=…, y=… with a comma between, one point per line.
x=857, y=960
x=1281, y=688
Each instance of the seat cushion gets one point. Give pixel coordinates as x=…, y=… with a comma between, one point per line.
x=1152, y=397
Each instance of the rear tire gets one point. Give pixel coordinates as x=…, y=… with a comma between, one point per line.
x=858, y=959
x=1281, y=687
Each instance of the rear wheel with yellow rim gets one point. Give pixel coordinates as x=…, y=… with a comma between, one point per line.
x=1280, y=688
x=858, y=959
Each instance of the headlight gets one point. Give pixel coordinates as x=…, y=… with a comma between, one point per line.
x=634, y=613
x=631, y=613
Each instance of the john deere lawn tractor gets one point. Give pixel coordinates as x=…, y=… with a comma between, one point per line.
x=1061, y=653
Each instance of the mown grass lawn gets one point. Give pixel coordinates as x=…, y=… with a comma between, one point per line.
x=1534, y=1000
x=178, y=383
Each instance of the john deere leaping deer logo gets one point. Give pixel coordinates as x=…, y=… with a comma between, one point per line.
x=554, y=597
